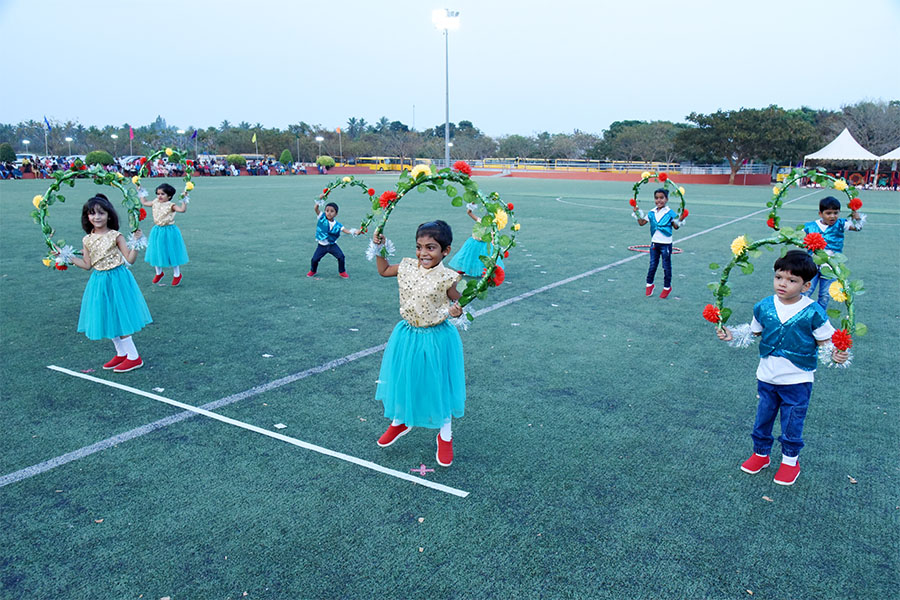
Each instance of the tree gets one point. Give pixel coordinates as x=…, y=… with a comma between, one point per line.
x=98, y=157
x=286, y=157
x=7, y=154
x=875, y=125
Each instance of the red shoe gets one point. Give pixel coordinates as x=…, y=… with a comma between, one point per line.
x=344, y=275
x=129, y=365
x=650, y=289
x=755, y=464
x=158, y=277
x=665, y=293
x=393, y=432
x=787, y=474
x=444, y=452
x=311, y=274
x=176, y=280
x=115, y=360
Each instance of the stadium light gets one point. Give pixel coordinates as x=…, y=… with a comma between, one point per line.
x=446, y=20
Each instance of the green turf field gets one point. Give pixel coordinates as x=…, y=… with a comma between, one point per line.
x=599, y=451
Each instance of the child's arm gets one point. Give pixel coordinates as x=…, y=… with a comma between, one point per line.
x=179, y=208
x=142, y=196
x=130, y=254
x=316, y=205
x=85, y=261
x=471, y=214
x=385, y=269
x=454, y=294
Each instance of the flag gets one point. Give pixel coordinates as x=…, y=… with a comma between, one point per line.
x=130, y=133
x=254, y=138
x=338, y=129
x=194, y=135
x=48, y=124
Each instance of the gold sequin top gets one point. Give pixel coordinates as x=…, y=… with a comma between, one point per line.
x=423, y=292
x=104, y=252
x=162, y=213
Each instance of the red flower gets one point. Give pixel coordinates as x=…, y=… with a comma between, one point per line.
x=633, y=203
x=855, y=204
x=370, y=191
x=842, y=340
x=509, y=206
x=684, y=215
x=325, y=191
x=711, y=314
x=143, y=160
x=662, y=177
x=815, y=241
x=463, y=167
x=61, y=267
x=386, y=198
x=771, y=222
x=499, y=276
x=142, y=215
x=190, y=162
x=506, y=254
x=84, y=167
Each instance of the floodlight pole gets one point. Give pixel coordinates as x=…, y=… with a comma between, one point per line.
x=446, y=19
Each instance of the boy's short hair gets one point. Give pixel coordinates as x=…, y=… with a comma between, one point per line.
x=662, y=191
x=334, y=206
x=829, y=203
x=799, y=263
x=167, y=189
x=438, y=230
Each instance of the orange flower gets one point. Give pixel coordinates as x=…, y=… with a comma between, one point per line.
x=815, y=241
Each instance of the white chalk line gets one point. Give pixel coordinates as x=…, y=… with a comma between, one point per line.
x=62, y=459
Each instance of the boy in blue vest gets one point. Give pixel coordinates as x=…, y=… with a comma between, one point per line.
x=328, y=230
x=832, y=228
x=662, y=219
x=790, y=326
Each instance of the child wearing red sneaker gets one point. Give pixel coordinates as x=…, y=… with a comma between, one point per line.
x=662, y=219
x=165, y=248
x=790, y=326
x=422, y=382
x=328, y=230
x=112, y=305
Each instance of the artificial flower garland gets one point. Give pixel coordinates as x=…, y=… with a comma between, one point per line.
x=341, y=183
x=667, y=184
x=830, y=267
x=489, y=229
x=172, y=157
x=817, y=176
x=59, y=254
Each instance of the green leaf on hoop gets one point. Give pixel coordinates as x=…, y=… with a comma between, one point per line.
x=834, y=313
x=826, y=270
x=713, y=287
x=713, y=266
x=856, y=286
x=457, y=201
x=724, y=290
x=726, y=313
x=505, y=240
x=746, y=268
x=861, y=329
x=451, y=191
x=421, y=189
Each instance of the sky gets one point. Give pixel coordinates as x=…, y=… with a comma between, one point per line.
x=521, y=67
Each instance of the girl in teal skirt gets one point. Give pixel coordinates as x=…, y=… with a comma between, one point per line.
x=165, y=248
x=422, y=382
x=112, y=305
x=468, y=260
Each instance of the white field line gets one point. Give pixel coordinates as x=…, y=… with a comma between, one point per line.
x=62, y=459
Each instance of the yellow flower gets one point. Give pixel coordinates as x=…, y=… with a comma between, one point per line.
x=119, y=176
x=516, y=227
x=169, y=152
x=346, y=180
x=189, y=185
x=836, y=290
x=420, y=170
x=739, y=245
x=681, y=191
x=135, y=180
x=776, y=190
x=645, y=175
x=840, y=185
x=501, y=218
x=46, y=262
x=37, y=201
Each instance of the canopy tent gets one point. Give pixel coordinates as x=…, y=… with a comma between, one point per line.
x=892, y=155
x=843, y=147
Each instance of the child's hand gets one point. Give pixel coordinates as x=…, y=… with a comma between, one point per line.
x=138, y=234
x=378, y=238
x=723, y=333
x=455, y=310
x=840, y=356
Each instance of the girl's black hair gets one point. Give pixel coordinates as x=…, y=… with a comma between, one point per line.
x=799, y=263
x=104, y=203
x=167, y=189
x=662, y=191
x=334, y=206
x=437, y=230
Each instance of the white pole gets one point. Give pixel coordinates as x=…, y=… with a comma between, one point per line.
x=447, y=103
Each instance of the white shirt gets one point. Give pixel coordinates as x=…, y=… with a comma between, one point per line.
x=658, y=236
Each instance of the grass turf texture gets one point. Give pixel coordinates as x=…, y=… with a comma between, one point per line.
x=600, y=445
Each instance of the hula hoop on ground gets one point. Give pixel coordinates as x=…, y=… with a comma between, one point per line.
x=817, y=176
x=645, y=248
x=59, y=254
x=488, y=229
x=667, y=184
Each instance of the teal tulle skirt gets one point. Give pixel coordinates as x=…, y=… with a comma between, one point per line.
x=422, y=381
x=467, y=261
x=112, y=305
x=165, y=247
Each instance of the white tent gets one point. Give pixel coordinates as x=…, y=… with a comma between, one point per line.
x=843, y=147
x=892, y=155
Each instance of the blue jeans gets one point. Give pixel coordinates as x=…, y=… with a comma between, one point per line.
x=321, y=251
x=657, y=251
x=792, y=401
x=823, y=284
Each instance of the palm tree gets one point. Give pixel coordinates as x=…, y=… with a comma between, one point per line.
x=224, y=125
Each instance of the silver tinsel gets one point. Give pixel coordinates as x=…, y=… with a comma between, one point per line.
x=65, y=256
x=136, y=243
x=186, y=198
x=741, y=336
x=860, y=222
x=638, y=214
x=471, y=207
x=142, y=193
x=354, y=232
x=321, y=204
x=678, y=222
x=825, y=358
x=384, y=250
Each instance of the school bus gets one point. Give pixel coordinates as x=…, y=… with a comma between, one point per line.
x=385, y=163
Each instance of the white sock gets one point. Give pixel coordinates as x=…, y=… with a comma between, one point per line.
x=117, y=342
x=649, y=285
x=446, y=432
x=176, y=271
x=396, y=422
x=128, y=347
x=761, y=455
x=158, y=270
x=789, y=460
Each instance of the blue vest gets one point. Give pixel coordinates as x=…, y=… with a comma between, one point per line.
x=324, y=234
x=664, y=225
x=834, y=235
x=793, y=340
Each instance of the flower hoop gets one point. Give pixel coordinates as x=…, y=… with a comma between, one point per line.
x=59, y=255
x=834, y=267
x=818, y=176
x=350, y=180
x=488, y=229
x=172, y=157
x=667, y=183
